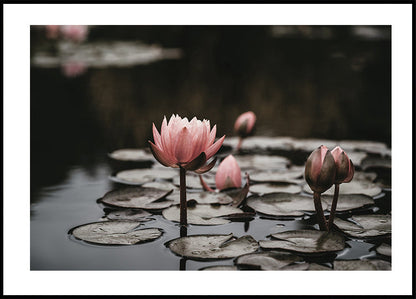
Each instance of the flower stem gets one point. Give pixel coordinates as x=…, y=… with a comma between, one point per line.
x=319, y=211
x=240, y=141
x=333, y=206
x=183, y=216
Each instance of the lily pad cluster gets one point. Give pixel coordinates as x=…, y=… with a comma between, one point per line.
x=277, y=189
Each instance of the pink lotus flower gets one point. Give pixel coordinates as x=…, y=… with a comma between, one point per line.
x=76, y=33
x=185, y=144
x=344, y=166
x=52, y=31
x=244, y=124
x=228, y=174
x=320, y=170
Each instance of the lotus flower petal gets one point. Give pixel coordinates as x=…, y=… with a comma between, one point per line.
x=207, y=167
x=214, y=148
x=320, y=170
x=344, y=166
x=161, y=157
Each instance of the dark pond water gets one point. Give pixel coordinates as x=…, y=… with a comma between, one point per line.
x=304, y=82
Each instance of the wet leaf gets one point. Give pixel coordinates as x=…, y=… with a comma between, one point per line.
x=361, y=265
x=142, y=176
x=309, y=145
x=201, y=214
x=306, y=241
x=364, y=226
x=138, y=198
x=275, y=187
x=356, y=157
x=270, y=260
x=353, y=187
x=212, y=246
x=283, y=175
x=374, y=163
x=134, y=155
x=115, y=233
x=348, y=202
x=161, y=186
x=205, y=197
x=260, y=142
x=220, y=268
x=365, y=146
x=192, y=180
x=282, y=204
x=318, y=267
x=384, y=249
x=262, y=162
x=132, y=215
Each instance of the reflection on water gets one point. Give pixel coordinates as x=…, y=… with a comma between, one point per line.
x=301, y=81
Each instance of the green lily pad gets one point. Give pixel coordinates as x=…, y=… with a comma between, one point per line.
x=376, y=162
x=353, y=187
x=384, y=249
x=361, y=265
x=364, y=226
x=371, y=147
x=270, y=260
x=318, y=267
x=132, y=215
x=347, y=202
x=115, y=233
x=193, y=181
x=282, y=204
x=285, y=175
x=306, y=241
x=309, y=145
x=204, y=197
x=134, y=155
x=138, y=198
x=220, y=268
x=260, y=142
x=161, y=186
x=262, y=162
x=203, y=247
x=365, y=176
x=356, y=157
x=201, y=214
x=275, y=187
x=142, y=176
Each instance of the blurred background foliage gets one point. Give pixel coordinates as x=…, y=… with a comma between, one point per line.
x=101, y=93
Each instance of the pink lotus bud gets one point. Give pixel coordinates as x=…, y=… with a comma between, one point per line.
x=344, y=166
x=52, y=31
x=245, y=123
x=76, y=33
x=320, y=170
x=228, y=174
x=186, y=144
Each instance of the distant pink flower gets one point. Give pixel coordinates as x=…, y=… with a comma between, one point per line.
x=244, y=124
x=76, y=33
x=185, y=144
x=73, y=68
x=228, y=174
x=52, y=31
x=344, y=166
